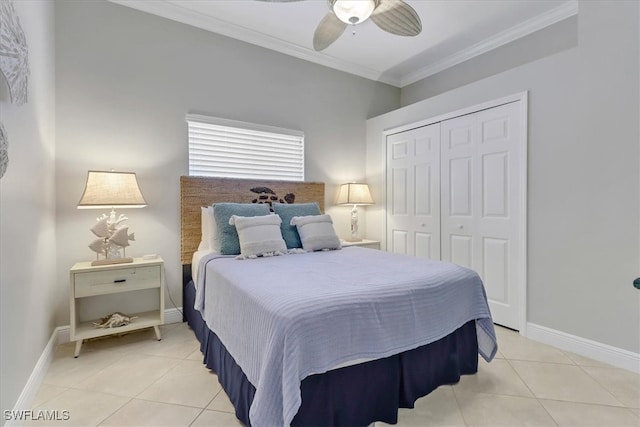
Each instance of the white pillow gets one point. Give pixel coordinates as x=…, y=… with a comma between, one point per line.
x=209, y=240
x=316, y=232
x=259, y=235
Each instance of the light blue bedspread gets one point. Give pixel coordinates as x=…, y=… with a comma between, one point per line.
x=287, y=317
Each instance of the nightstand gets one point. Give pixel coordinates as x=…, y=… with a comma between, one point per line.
x=373, y=244
x=98, y=291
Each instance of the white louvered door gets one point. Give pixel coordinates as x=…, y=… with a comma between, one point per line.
x=477, y=194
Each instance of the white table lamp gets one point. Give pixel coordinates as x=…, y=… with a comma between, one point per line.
x=354, y=194
x=109, y=189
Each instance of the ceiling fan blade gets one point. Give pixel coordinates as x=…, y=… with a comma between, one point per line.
x=328, y=31
x=397, y=17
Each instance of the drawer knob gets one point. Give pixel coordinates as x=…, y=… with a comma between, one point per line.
x=119, y=280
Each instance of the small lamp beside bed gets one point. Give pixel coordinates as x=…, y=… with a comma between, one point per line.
x=354, y=194
x=110, y=189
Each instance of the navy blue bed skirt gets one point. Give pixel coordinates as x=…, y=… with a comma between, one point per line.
x=352, y=396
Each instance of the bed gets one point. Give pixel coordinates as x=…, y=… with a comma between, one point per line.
x=342, y=344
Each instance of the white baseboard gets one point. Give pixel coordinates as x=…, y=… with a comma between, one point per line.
x=173, y=315
x=37, y=375
x=61, y=335
x=584, y=347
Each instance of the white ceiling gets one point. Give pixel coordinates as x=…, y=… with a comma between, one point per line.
x=452, y=31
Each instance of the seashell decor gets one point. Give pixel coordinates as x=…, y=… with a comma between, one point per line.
x=114, y=320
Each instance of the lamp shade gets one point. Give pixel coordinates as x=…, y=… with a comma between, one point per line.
x=354, y=194
x=111, y=189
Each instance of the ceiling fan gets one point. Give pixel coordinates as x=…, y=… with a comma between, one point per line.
x=393, y=16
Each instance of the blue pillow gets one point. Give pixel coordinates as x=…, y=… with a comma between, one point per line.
x=227, y=234
x=286, y=212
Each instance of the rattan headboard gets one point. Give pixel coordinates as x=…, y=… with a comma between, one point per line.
x=196, y=191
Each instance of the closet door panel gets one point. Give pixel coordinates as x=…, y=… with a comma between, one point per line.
x=399, y=242
x=399, y=199
x=423, y=245
x=459, y=187
x=461, y=250
x=495, y=185
x=480, y=214
x=423, y=191
x=496, y=260
x=413, y=194
x=459, y=170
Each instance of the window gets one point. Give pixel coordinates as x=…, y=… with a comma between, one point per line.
x=232, y=149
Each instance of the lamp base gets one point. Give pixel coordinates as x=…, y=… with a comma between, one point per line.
x=353, y=239
x=110, y=261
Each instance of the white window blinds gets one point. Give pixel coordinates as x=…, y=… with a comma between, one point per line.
x=232, y=149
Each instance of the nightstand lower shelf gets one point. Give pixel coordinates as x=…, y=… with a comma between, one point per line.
x=87, y=330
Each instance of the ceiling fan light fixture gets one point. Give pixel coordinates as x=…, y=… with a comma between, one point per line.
x=353, y=11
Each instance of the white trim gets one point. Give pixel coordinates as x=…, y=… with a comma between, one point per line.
x=59, y=336
x=37, y=376
x=184, y=15
x=172, y=315
x=524, y=197
x=521, y=97
x=584, y=347
x=63, y=334
x=534, y=24
x=178, y=13
x=457, y=113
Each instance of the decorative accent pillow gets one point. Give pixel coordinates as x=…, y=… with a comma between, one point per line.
x=288, y=211
x=259, y=235
x=209, y=239
x=227, y=236
x=316, y=232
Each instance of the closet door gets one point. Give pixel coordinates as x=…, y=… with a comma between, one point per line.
x=480, y=202
x=413, y=185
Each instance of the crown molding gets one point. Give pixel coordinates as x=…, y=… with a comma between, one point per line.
x=181, y=14
x=530, y=26
x=184, y=15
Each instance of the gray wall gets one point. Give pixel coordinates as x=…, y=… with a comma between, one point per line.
x=125, y=81
x=583, y=176
x=545, y=42
x=27, y=211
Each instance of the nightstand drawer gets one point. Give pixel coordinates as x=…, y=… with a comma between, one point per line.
x=119, y=280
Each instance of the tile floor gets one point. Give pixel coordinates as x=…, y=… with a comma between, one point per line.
x=528, y=384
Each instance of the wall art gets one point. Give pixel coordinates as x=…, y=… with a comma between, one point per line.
x=14, y=55
x=4, y=151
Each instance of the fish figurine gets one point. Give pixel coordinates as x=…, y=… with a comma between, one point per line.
x=121, y=237
x=101, y=229
x=97, y=246
x=112, y=236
